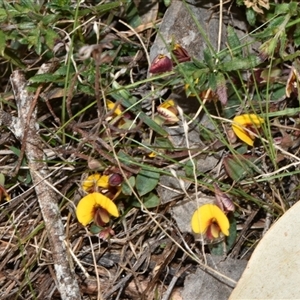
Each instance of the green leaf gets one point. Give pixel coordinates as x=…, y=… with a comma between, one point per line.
x=17, y=152
x=234, y=42
x=163, y=143
x=272, y=28
x=149, y=201
x=296, y=36
x=188, y=168
x=146, y=181
x=63, y=70
x=30, y=5
x=235, y=64
x=282, y=8
x=132, y=14
x=50, y=37
x=3, y=15
x=43, y=78
x=24, y=177
x=167, y=3
x=2, y=179
x=2, y=42
x=190, y=67
x=208, y=59
x=239, y=166
x=251, y=16
x=202, y=76
x=35, y=40
x=125, y=158
x=27, y=26
x=126, y=190
x=49, y=19
x=94, y=229
x=100, y=9
x=212, y=81
x=86, y=89
x=61, y=3
x=13, y=58
x=293, y=8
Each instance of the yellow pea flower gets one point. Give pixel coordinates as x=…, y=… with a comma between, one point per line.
x=249, y=121
x=210, y=220
x=94, y=181
x=112, y=106
x=97, y=207
x=168, y=111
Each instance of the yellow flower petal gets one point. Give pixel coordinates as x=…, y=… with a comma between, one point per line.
x=239, y=122
x=248, y=119
x=167, y=104
x=152, y=154
x=95, y=180
x=106, y=203
x=90, y=181
x=112, y=106
x=242, y=134
x=207, y=214
x=85, y=209
x=87, y=205
x=103, y=181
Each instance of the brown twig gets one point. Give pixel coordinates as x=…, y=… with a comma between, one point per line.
x=47, y=198
x=26, y=129
x=45, y=68
x=240, y=240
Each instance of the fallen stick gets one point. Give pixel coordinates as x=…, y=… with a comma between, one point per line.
x=24, y=127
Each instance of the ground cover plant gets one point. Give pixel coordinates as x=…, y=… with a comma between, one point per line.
x=127, y=167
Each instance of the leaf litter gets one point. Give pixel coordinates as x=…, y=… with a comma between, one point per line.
x=159, y=130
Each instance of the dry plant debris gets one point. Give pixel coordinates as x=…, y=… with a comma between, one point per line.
x=137, y=162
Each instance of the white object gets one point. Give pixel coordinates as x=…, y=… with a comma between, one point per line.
x=273, y=272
